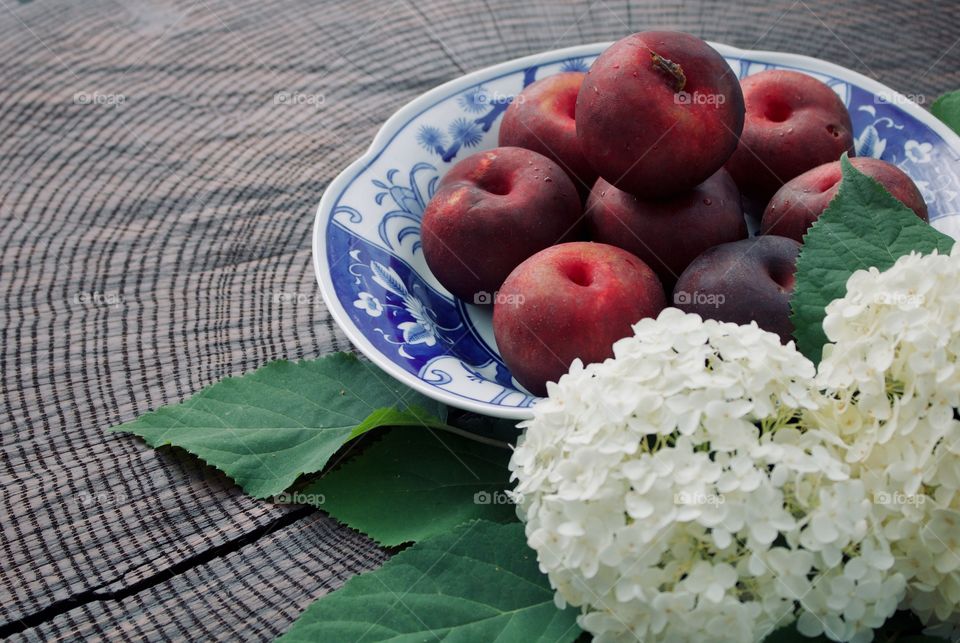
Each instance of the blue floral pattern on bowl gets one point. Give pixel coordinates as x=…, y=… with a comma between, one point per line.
x=367, y=250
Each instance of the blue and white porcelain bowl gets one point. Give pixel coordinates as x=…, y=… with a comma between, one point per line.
x=366, y=239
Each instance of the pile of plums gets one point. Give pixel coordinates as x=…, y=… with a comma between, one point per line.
x=615, y=189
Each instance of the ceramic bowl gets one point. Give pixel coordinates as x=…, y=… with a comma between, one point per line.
x=366, y=238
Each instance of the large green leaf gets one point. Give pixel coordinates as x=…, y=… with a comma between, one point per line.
x=417, y=483
x=947, y=109
x=479, y=582
x=267, y=427
x=863, y=227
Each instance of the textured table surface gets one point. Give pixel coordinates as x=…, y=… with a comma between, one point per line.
x=155, y=209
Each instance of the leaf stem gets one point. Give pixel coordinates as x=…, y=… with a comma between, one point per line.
x=472, y=436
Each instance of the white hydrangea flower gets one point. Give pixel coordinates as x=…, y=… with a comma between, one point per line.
x=669, y=493
x=892, y=369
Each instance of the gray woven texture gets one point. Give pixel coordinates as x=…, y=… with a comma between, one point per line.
x=155, y=217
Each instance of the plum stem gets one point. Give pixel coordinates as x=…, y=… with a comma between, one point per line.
x=672, y=68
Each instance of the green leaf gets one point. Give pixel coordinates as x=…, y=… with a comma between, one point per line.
x=479, y=582
x=947, y=109
x=484, y=425
x=266, y=428
x=414, y=484
x=412, y=415
x=863, y=227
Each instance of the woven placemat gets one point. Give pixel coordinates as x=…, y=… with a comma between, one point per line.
x=158, y=188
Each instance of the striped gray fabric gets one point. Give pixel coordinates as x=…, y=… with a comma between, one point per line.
x=160, y=164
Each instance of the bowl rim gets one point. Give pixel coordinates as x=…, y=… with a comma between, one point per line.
x=399, y=119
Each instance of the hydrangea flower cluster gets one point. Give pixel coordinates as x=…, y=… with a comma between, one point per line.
x=893, y=371
x=671, y=494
